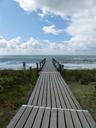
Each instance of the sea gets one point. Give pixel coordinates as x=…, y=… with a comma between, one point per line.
x=15, y=62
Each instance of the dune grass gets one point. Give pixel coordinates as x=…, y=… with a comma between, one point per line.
x=83, y=85
x=15, y=86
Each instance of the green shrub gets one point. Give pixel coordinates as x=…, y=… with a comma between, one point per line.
x=80, y=76
x=15, y=87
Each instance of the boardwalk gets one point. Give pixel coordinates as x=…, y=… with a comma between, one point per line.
x=52, y=105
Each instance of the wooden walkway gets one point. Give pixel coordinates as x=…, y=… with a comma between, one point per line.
x=52, y=105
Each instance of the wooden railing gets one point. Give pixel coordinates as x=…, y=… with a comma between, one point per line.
x=58, y=66
x=40, y=65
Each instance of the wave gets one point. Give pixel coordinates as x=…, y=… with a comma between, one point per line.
x=70, y=62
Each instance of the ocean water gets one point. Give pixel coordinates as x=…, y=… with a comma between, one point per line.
x=70, y=62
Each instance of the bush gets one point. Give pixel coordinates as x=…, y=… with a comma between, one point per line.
x=80, y=76
x=15, y=87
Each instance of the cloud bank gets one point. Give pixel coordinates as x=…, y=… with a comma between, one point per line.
x=33, y=46
x=62, y=7
x=82, y=16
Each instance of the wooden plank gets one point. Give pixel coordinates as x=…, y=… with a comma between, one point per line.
x=45, y=122
x=41, y=92
x=69, y=123
x=37, y=92
x=55, y=91
x=31, y=118
x=48, y=67
x=62, y=102
x=23, y=119
x=90, y=119
x=64, y=94
x=83, y=120
x=48, y=93
x=34, y=91
x=71, y=95
x=16, y=118
x=61, y=120
x=67, y=94
x=38, y=120
x=53, y=120
x=76, y=120
x=52, y=93
x=44, y=102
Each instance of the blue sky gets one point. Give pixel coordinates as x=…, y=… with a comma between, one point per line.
x=30, y=26
x=14, y=21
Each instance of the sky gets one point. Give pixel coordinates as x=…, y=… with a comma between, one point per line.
x=47, y=27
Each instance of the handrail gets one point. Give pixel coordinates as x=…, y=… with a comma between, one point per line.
x=58, y=66
x=40, y=65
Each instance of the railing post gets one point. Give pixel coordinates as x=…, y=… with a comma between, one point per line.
x=62, y=70
x=40, y=65
x=24, y=65
x=30, y=69
x=30, y=73
x=37, y=69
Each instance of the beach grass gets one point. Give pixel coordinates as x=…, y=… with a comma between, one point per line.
x=83, y=85
x=15, y=87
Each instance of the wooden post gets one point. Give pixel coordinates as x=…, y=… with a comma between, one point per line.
x=30, y=69
x=30, y=73
x=24, y=65
x=37, y=70
x=62, y=69
x=40, y=66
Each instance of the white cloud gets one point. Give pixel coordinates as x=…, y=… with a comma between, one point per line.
x=34, y=46
x=52, y=30
x=27, y=5
x=31, y=46
x=62, y=7
x=16, y=46
x=14, y=43
x=83, y=30
x=82, y=15
x=3, y=43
